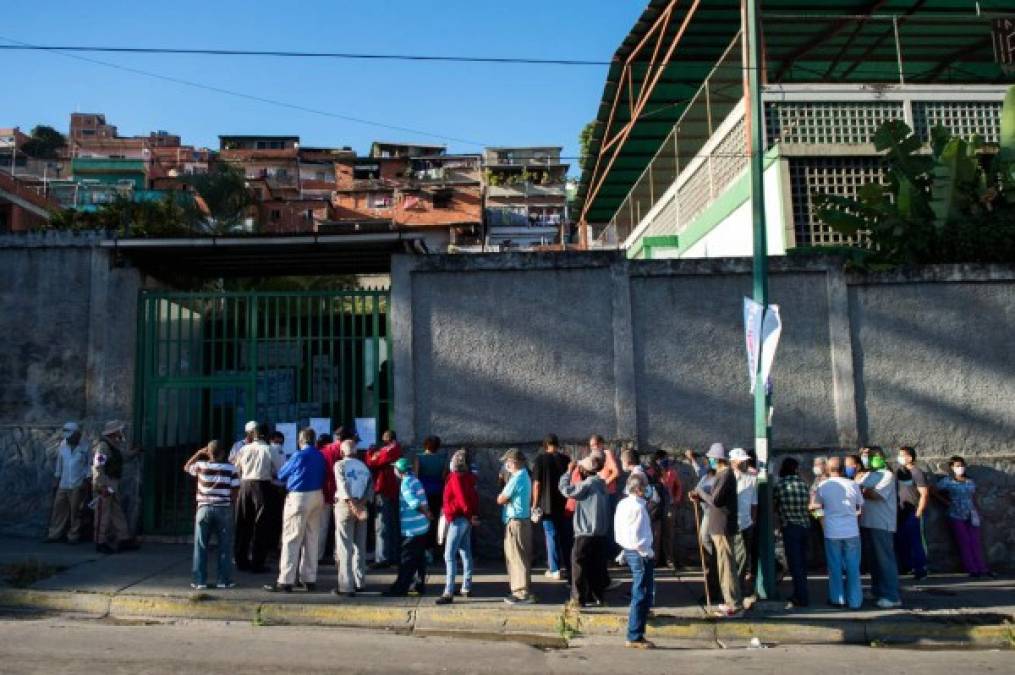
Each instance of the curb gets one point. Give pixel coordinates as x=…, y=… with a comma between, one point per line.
x=551, y=624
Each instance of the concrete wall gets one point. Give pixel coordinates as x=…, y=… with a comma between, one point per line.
x=67, y=354
x=497, y=350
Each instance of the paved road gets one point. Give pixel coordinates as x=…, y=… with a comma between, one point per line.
x=69, y=645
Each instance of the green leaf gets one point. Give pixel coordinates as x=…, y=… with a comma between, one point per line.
x=1008, y=126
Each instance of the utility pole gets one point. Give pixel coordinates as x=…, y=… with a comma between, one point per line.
x=753, y=63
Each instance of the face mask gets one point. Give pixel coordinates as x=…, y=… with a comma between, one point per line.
x=865, y=460
x=902, y=460
x=959, y=470
x=877, y=462
x=850, y=471
x=818, y=471
x=713, y=462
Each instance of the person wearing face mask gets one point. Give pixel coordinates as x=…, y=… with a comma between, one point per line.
x=817, y=548
x=721, y=505
x=516, y=502
x=840, y=499
x=877, y=530
x=958, y=491
x=914, y=495
x=791, y=499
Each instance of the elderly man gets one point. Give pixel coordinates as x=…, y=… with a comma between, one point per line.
x=877, y=530
x=414, y=524
x=840, y=501
x=516, y=500
x=353, y=491
x=633, y=532
x=589, y=576
x=304, y=479
x=255, y=463
x=111, y=532
x=249, y=434
x=71, y=474
x=722, y=527
x=747, y=516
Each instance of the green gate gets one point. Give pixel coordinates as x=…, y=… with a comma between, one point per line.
x=208, y=362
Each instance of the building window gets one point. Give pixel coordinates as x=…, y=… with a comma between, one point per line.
x=442, y=199
x=276, y=214
x=379, y=201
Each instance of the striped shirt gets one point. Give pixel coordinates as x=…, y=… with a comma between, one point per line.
x=412, y=496
x=215, y=482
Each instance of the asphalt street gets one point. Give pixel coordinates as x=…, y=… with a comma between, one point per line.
x=61, y=644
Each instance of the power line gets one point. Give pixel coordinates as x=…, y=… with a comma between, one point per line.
x=300, y=54
x=252, y=97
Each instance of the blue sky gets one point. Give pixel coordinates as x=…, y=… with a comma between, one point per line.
x=489, y=104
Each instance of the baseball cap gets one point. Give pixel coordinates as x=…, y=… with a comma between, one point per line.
x=402, y=465
x=591, y=464
x=250, y=426
x=69, y=429
x=739, y=455
x=717, y=451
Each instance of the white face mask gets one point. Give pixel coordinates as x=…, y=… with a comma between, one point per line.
x=959, y=470
x=902, y=459
x=818, y=471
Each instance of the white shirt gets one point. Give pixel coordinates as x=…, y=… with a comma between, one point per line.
x=278, y=460
x=631, y=527
x=352, y=479
x=747, y=496
x=72, y=465
x=840, y=498
x=254, y=461
x=234, y=451
x=650, y=493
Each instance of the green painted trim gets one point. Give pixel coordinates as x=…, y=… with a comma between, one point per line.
x=729, y=201
x=637, y=250
x=661, y=241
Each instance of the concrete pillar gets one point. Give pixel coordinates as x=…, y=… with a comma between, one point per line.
x=840, y=342
x=400, y=323
x=625, y=399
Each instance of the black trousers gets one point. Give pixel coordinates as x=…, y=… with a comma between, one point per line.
x=589, y=577
x=411, y=564
x=253, y=524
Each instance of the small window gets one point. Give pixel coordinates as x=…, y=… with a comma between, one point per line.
x=442, y=200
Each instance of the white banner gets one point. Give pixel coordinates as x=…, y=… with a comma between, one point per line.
x=321, y=426
x=752, y=333
x=771, y=329
x=366, y=429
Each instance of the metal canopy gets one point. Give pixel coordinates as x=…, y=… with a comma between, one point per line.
x=674, y=45
x=264, y=256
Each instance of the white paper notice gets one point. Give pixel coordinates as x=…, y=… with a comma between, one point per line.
x=321, y=425
x=366, y=429
x=289, y=430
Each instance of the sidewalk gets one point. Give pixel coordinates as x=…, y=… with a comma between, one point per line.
x=155, y=582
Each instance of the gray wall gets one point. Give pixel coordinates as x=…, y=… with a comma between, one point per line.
x=502, y=349
x=67, y=354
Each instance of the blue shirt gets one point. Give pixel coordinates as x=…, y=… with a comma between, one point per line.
x=518, y=491
x=412, y=496
x=304, y=471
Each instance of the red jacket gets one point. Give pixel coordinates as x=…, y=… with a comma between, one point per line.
x=460, y=496
x=380, y=461
x=332, y=453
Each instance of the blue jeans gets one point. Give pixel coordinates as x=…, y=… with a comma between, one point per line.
x=794, y=539
x=883, y=568
x=458, y=541
x=641, y=593
x=217, y=520
x=552, y=554
x=909, y=542
x=843, y=556
x=386, y=530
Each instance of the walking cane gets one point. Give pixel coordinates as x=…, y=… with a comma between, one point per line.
x=701, y=553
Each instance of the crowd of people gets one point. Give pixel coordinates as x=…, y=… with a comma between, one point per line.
x=605, y=506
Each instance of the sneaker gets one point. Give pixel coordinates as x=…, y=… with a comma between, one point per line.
x=640, y=644
x=465, y=593
x=724, y=611
x=278, y=588
x=519, y=600
x=199, y=587
x=227, y=585
x=552, y=575
x=444, y=600
x=885, y=603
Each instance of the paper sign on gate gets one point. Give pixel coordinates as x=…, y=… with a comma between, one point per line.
x=366, y=429
x=321, y=425
x=289, y=430
x=753, y=313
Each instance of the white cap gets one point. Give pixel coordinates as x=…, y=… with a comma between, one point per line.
x=739, y=455
x=69, y=429
x=250, y=426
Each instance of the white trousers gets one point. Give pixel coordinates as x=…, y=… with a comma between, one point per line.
x=301, y=526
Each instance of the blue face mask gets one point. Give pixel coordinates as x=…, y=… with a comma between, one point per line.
x=713, y=462
x=850, y=471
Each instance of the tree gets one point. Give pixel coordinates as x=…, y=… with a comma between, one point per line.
x=956, y=204
x=225, y=194
x=585, y=141
x=44, y=143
